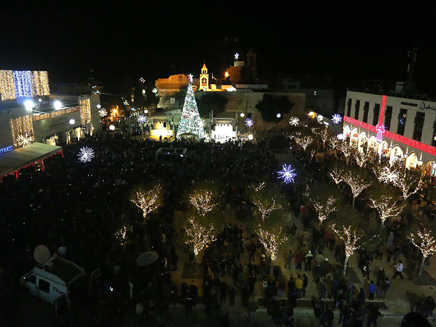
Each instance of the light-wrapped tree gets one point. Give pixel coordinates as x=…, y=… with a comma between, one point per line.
x=424, y=238
x=347, y=227
x=324, y=199
x=271, y=239
x=384, y=201
x=147, y=199
x=337, y=174
x=409, y=182
x=198, y=234
x=386, y=174
x=304, y=141
x=266, y=199
x=357, y=179
x=203, y=197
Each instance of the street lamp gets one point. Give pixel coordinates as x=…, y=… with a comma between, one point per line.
x=57, y=105
x=29, y=104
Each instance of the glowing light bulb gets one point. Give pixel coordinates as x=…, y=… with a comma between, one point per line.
x=29, y=104
x=57, y=105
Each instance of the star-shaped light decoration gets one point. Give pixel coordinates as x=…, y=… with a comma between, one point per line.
x=102, y=112
x=142, y=119
x=294, y=121
x=249, y=122
x=86, y=154
x=236, y=56
x=25, y=140
x=336, y=119
x=190, y=77
x=142, y=80
x=287, y=174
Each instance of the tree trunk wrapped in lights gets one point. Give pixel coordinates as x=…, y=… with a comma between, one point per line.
x=357, y=179
x=203, y=201
x=383, y=200
x=271, y=239
x=148, y=200
x=386, y=174
x=424, y=238
x=352, y=230
x=323, y=133
x=198, y=234
x=266, y=199
x=334, y=142
x=337, y=174
x=409, y=182
x=324, y=200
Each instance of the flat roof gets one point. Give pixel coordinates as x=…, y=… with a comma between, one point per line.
x=21, y=157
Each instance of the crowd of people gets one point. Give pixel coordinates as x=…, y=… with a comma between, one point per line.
x=81, y=207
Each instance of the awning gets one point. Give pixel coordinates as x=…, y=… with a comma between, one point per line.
x=22, y=157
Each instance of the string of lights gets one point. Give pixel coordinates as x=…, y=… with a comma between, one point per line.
x=23, y=83
x=85, y=111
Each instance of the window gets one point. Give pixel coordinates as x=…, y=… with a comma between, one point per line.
x=365, y=112
x=356, y=109
x=349, y=108
x=402, y=117
x=388, y=117
x=419, y=124
x=376, y=114
x=44, y=286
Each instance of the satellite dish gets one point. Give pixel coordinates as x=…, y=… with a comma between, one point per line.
x=41, y=254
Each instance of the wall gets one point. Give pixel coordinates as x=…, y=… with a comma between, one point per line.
x=6, y=114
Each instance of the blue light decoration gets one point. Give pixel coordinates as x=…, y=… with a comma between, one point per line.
x=336, y=119
x=249, y=122
x=23, y=83
x=287, y=174
x=6, y=149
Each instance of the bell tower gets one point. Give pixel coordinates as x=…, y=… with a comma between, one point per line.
x=204, y=78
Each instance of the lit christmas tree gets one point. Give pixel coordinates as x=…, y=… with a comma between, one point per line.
x=190, y=121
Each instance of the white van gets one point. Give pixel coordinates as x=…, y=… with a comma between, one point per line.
x=53, y=279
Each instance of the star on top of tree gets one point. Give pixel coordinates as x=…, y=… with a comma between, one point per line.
x=236, y=56
x=190, y=77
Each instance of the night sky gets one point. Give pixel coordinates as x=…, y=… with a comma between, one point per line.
x=155, y=39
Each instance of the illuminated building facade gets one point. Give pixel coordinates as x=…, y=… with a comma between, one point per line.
x=23, y=83
x=402, y=129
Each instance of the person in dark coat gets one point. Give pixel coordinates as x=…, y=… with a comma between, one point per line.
x=232, y=294
x=223, y=291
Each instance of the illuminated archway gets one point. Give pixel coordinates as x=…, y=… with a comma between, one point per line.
x=429, y=168
x=383, y=148
x=347, y=131
x=362, y=141
x=372, y=143
x=412, y=161
x=397, y=154
x=354, y=138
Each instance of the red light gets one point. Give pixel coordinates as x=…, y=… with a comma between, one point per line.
x=399, y=138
